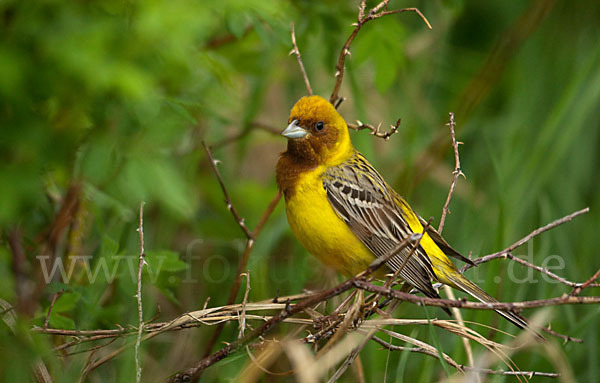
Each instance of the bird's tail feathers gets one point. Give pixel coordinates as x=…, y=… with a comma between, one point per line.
x=462, y=283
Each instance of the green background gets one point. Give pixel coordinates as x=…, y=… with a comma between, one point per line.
x=111, y=100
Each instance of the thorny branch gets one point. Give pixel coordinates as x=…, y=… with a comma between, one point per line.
x=456, y=173
x=380, y=10
x=376, y=131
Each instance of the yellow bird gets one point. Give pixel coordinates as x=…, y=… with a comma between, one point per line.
x=344, y=213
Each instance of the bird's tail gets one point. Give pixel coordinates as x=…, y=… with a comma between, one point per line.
x=462, y=283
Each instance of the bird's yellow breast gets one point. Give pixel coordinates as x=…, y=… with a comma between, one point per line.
x=320, y=230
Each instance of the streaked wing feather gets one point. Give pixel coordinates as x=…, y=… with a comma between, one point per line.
x=442, y=244
x=363, y=200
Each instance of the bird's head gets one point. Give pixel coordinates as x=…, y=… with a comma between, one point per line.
x=317, y=133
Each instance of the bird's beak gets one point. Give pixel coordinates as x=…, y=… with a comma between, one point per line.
x=294, y=130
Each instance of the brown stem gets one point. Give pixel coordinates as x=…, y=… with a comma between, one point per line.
x=375, y=13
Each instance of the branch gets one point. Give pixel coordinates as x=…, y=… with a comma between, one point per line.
x=525, y=239
x=456, y=173
x=587, y=283
x=445, y=210
x=376, y=131
x=506, y=306
x=142, y=261
x=230, y=206
x=486, y=371
x=295, y=51
x=192, y=374
x=54, y=298
x=375, y=13
x=235, y=288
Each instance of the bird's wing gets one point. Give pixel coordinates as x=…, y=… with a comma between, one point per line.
x=442, y=244
x=361, y=197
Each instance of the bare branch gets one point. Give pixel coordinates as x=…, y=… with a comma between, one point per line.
x=587, y=283
x=235, y=288
x=142, y=261
x=445, y=210
x=456, y=173
x=230, y=206
x=375, y=13
x=289, y=310
x=486, y=371
x=525, y=239
x=54, y=298
x=438, y=302
x=295, y=51
x=376, y=131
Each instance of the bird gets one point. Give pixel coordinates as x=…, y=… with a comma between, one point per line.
x=344, y=213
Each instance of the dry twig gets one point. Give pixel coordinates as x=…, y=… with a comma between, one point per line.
x=376, y=131
x=380, y=10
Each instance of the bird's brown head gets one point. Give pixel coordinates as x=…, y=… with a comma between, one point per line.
x=316, y=133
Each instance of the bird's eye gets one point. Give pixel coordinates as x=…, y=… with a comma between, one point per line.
x=320, y=125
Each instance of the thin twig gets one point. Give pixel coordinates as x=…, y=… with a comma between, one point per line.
x=456, y=173
x=376, y=131
x=445, y=210
x=487, y=371
x=525, y=239
x=375, y=13
x=192, y=373
x=242, y=324
x=585, y=284
x=235, y=288
x=230, y=206
x=295, y=51
x=549, y=273
x=505, y=306
x=142, y=261
x=54, y=298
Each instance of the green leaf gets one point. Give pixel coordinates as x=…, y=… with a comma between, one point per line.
x=164, y=260
x=66, y=302
x=60, y=321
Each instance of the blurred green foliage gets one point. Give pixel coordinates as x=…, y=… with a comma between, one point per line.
x=111, y=99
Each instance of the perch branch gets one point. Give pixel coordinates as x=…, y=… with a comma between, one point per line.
x=507, y=306
x=192, y=374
